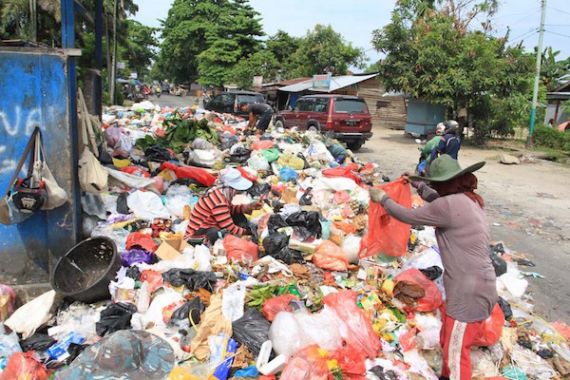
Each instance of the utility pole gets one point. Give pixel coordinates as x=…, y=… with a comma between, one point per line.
x=34, y=20
x=114, y=64
x=537, y=74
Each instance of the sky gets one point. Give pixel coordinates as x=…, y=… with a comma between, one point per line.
x=356, y=19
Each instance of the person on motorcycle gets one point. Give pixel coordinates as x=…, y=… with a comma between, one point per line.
x=450, y=143
x=425, y=151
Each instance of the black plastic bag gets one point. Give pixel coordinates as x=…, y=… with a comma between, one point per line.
x=499, y=264
x=259, y=189
x=134, y=272
x=122, y=207
x=506, y=308
x=158, y=154
x=115, y=317
x=240, y=155
x=192, y=309
x=37, y=342
x=252, y=330
x=310, y=220
x=277, y=246
x=433, y=273
x=275, y=222
x=306, y=198
x=190, y=278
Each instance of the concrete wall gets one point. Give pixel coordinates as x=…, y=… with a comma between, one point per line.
x=34, y=92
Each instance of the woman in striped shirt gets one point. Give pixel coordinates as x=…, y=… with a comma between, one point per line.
x=215, y=212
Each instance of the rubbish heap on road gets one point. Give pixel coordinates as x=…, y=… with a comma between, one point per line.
x=318, y=290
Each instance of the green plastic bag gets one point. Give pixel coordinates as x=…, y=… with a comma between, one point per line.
x=270, y=154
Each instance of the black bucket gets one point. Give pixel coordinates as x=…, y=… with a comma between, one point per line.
x=85, y=271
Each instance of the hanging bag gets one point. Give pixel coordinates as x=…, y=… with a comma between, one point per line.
x=93, y=178
x=56, y=195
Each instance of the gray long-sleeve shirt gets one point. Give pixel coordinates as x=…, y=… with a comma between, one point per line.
x=463, y=238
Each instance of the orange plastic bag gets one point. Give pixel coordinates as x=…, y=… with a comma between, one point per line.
x=274, y=305
x=24, y=366
x=240, y=250
x=357, y=331
x=351, y=361
x=492, y=328
x=309, y=364
x=262, y=144
x=153, y=279
x=432, y=298
x=562, y=328
x=142, y=240
x=330, y=256
x=386, y=234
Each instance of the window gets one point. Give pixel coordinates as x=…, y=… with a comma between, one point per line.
x=350, y=106
x=306, y=105
x=247, y=98
x=321, y=105
x=227, y=100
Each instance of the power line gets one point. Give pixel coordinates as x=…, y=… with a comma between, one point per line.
x=524, y=35
x=558, y=34
x=560, y=10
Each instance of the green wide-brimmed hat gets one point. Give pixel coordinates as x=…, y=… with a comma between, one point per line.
x=445, y=168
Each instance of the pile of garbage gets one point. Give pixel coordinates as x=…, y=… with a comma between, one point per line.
x=317, y=290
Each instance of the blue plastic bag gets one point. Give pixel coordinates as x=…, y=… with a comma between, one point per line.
x=250, y=371
x=223, y=370
x=288, y=174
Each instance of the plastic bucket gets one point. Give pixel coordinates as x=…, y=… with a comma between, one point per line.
x=85, y=271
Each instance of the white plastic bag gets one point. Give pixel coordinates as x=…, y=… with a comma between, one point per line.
x=147, y=205
x=177, y=197
x=351, y=247
x=28, y=318
x=8, y=346
x=93, y=178
x=429, y=326
x=233, y=300
x=203, y=258
x=257, y=162
x=511, y=285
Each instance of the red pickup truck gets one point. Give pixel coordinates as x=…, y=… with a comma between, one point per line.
x=344, y=117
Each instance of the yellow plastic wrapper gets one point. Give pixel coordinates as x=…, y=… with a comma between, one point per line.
x=121, y=163
x=388, y=287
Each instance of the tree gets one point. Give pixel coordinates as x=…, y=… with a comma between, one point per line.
x=437, y=55
x=206, y=38
x=552, y=69
x=282, y=45
x=141, y=43
x=323, y=50
x=261, y=63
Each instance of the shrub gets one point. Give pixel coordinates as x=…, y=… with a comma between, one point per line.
x=551, y=138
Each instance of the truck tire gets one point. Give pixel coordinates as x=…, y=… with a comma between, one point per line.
x=312, y=127
x=278, y=124
x=355, y=145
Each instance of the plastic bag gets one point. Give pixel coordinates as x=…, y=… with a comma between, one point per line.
x=93, y=178
x=192, y=279
x=310, y=220
x=330, y=256
x=350, y=248
x=499, y=263
x=352, y=362
x=37, y=342
x=258, y=162
x=276, y=305
x=147, y=205
x=115, y=317
x=386, y=234
x=270, y=155
x=152, y=278
x=251, y=330
x=432, y=298
x=142, y=240
x=135, y=256
x=288, y=175
x=308, y=364
x=8, y=346
x=233, y=300
x=213, y=323
x=343, y=171
x=492, y=328
x=291, y=161
x=262, y=144
x=277, y=246
x=356, y=329
x=240, y=250
x=189, y=311
x=201, y=176
x=24, y=366
x=28, y=318
x=7, y=301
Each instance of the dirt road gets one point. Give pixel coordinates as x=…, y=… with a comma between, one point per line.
x=528, y=208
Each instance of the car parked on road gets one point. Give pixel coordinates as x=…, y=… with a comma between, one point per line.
x=344, y=117
x=230, y=102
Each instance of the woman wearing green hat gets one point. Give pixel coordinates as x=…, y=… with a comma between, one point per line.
x=462, y=235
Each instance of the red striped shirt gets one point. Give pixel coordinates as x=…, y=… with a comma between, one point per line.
x=213, y=210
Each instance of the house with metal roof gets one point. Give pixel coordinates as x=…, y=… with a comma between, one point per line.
x=554, y=109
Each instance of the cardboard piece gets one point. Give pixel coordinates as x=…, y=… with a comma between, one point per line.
x=171, y=248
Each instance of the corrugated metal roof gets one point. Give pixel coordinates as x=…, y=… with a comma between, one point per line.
x=336, y=83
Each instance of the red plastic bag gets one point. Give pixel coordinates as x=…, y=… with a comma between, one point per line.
x=262, y=144
x=142, y=240
x=309, y=364
x=408, y=340
x=24, y=366
x=199, y=175
x=492, y=328
x=386, y=234
x=275, y=305
x=432, y=298
x=562, y=328
x=240, y=250
x=153, y=279
x=351, y=361
x=358, y=329
x=343, y=171
x=330, y=256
